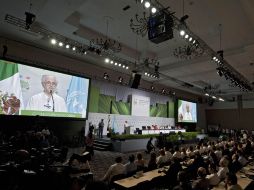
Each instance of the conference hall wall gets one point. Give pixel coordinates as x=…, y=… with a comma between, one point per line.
x=115, y=100
x=232, y=115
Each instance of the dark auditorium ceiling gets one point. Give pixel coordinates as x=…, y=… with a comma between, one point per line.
x=83, y=20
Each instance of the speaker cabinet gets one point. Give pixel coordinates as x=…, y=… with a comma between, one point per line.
x=135, y=80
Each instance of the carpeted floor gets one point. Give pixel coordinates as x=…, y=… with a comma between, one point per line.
x=103, y=159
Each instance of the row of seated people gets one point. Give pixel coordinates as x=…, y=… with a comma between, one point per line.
x=156, y=127
x=217, y=158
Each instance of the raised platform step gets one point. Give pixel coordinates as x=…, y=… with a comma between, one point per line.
x=102, y=144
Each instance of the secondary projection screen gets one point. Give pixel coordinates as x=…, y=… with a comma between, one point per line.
x=140, y=106
x=26, y=90
x=186, y=111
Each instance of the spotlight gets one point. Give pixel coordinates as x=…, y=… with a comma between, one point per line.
x=123, y=66
x=185, y=17
x=182, y=32
x=127, y=67
x=214, y=58
x=30, y=18
x=85, y=52
x=120, y=79
x=190, y=39
x=186, y=36
x=107, y=60
x=105, y=76
x=111, y=62
x=67, y=46
x=141, y=1
x=145, y=73
x=147, y=4
x=60, y=44
x=221, y=99
x=153, y=10
x=152, y=88
x=194, y=41
x=119, y=64
x=115, y=63
x=74, y=48
x=206, y=94
x=214, y=97
x=53, y=41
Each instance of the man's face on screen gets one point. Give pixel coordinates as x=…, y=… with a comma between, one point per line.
x=49, y=84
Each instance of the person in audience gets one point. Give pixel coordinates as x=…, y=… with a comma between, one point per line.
x=79, y=164
x=89, y=143
x=161, y=159
x=152, y=162
x=190, y=152
x=130, y=167
x=231, y=182
x=168, y=154
x=115, y=169
x=235, y=166
x=140, y=162
x=243, y=161
x=171, y=173
x=201, y=183
x=184, y=183
x=150, y=146
x=48, y=100
x=213, y=176
x=223, y=169
x=177, y=153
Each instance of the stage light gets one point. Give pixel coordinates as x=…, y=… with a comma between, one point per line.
x=115, y=63
x=120, y=79
x=145, y=73
x=105, y=76
x=152, y=88
x=185, y=17
x=123, y=66
x=163, y=91
x=119, y=64
x=111, y=62
x=141, y=1
x=186, y=36
x=221, y=99
x=194, y=41
x=30, y=18
x=206, y=94
x=67, y=46
x=147, y=4
x=182, y=32
x=60, y=44
x=153, y=10
x=53, y=41
x=107, y=60
x=214, y=97
x=190, y=39
x=127, y=67
x=85, y=52
x=74, y=48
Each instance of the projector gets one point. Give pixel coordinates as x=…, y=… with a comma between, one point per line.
x=160, y=27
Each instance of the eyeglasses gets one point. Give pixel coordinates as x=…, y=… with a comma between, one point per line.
x=50, y=83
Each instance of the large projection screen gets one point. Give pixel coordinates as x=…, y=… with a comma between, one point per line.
x=31, y=91
x=186, y=111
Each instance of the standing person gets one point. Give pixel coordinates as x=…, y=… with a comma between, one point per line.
x=47, y=100
x=126, y=124
x=101, y=126
x=149, y=146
